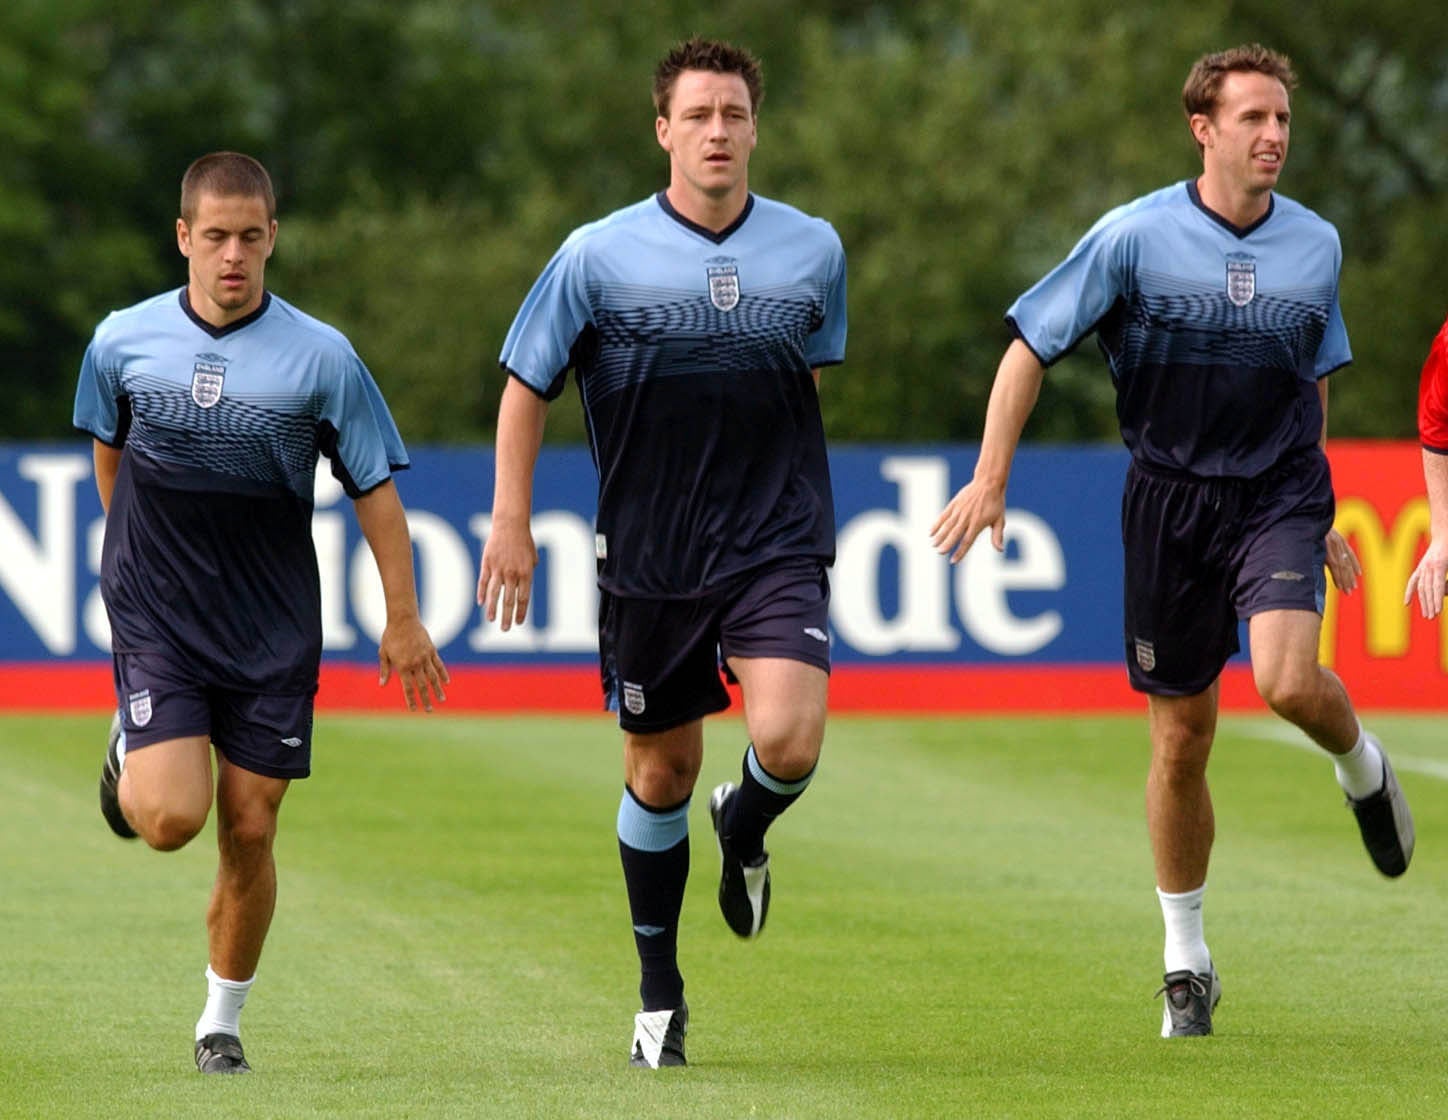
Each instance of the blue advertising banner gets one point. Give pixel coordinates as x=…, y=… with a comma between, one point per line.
x=1053, y=596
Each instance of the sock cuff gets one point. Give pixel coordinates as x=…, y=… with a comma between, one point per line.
x=651, y=830
x=1184, y=896
x=770, y=782
x=223, y=982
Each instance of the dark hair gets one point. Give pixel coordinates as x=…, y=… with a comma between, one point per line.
x=1204, y=84
x=712, y=55
x=227, y=174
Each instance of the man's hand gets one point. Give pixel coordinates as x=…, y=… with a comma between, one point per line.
x=1342, y=562
x=506, y=574
x=1426, y=582
x=407, y=650
x=975, y=506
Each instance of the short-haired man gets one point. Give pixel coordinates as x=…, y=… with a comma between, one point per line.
x=697, y=321
x=1215, y=303
x=208, y=406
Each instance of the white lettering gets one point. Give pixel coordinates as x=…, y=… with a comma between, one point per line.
x=984, y=576
x=922, y=621
x=329, y=538
x=38, y=573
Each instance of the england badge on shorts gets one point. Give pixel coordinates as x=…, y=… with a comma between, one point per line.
x=1241, y=279
x=207, y=376
x=633, y=698
x=723, y=282
x=139, y=704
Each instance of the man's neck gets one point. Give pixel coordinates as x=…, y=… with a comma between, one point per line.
x=1241, y=208
x=713, y=214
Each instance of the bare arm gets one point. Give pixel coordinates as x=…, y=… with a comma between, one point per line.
x=1428, y=578
x=405, y=646
x=107, y=462
x=1342, y=561
x=509, y=556
x=982, y=501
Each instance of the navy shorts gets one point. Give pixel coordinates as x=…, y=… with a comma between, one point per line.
x=160, y=698
x=660, y=658
x=1203, y=554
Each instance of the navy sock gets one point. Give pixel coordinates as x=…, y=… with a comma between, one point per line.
x=760, y=798
x=653, y=845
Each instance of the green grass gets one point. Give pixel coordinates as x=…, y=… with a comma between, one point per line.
x=963, y=925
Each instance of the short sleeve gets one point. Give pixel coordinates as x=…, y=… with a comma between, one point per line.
x=97, y=408
x=826, y=345
x=358, y=434
x=1066, y=304
x=1433, y=396
x=539, y=346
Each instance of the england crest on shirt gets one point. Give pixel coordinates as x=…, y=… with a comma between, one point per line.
x=723, y=282
x=207, y=376
x=140, y=707
x=1241, y=279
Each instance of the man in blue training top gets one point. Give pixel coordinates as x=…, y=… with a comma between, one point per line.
x=696, y=321
x=1215, y=304
x=209, y=405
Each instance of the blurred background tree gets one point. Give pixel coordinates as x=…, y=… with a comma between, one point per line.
x=431, y=154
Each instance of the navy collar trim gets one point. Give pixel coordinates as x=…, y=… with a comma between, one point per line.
x=1237, y=231
x=718, y=238
x=236, y=325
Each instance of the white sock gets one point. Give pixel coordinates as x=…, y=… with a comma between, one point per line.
x=224, y=1001
x=1360, y=771
x=1186, y=946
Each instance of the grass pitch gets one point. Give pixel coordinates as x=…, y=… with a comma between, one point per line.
x=963, y=925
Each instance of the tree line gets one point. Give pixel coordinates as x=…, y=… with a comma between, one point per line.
x=430, y=155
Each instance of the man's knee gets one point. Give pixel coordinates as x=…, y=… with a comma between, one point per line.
x=1182, y=730
x=166, y=828
x=789, y=749
x=1291, y=692
x=663, y=768
x=248, y=831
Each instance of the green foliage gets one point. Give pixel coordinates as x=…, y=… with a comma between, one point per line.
x=430, y=155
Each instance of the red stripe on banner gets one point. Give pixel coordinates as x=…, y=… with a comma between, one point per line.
x=897, y=689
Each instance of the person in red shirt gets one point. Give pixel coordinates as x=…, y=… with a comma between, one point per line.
x=1428, y=578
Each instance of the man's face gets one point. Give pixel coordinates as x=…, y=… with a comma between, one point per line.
x=709, y=131
x=227, y=242
x=1245, y=140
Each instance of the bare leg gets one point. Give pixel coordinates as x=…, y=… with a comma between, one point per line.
x=1178, y=804
x=243, y=897
x=1295, y=685
x=165, y=791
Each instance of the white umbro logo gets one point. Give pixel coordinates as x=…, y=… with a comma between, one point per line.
x=292, y=741
x=816, y=633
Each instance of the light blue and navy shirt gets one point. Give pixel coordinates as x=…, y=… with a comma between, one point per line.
x=208, y=550
x=693, y=352
x=1215, y=335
